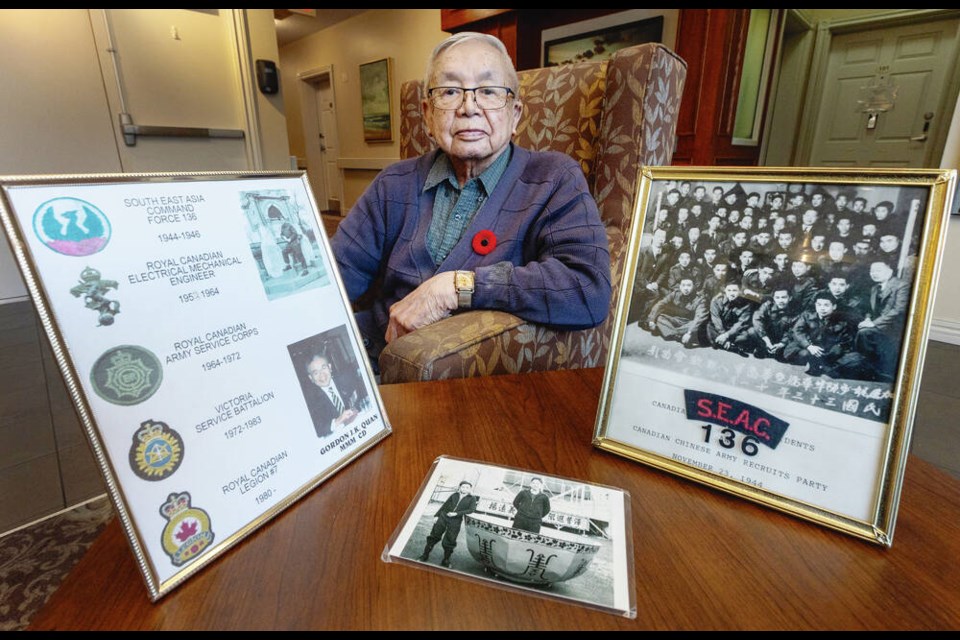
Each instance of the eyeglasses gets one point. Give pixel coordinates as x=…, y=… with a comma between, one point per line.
x=449, y=98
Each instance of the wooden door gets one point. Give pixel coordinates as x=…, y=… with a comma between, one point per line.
x=884, y=96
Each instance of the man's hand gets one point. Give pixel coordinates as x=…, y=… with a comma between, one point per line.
x=346, y=417
x=433, y=300
x=815, y=350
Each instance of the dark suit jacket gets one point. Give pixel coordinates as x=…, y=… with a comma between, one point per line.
x=467, y=505
x=652, y=268
x=834, y=335
x=888, y=306
x=321, y=408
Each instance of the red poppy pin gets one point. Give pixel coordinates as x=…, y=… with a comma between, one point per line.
x=484, y=242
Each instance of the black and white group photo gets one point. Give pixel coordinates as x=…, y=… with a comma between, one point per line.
x=799, y=290
x=550, y=536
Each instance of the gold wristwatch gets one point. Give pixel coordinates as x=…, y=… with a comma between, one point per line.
x=463, y=283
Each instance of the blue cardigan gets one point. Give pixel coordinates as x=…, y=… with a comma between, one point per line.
x=551, y=263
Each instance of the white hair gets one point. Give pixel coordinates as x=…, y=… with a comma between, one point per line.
x=470, y=36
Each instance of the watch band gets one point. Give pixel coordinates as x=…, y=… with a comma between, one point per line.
x=463, y=283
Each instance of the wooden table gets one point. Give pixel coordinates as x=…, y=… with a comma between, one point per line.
x=704, y=560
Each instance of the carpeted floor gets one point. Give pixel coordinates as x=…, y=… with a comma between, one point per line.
x=35, y=559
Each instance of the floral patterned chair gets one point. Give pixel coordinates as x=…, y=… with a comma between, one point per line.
x=612, y=116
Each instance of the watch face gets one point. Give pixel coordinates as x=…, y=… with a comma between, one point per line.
x=463, y=281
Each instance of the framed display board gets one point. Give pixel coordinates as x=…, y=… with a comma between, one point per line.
x=771, y=334
x=208, y=345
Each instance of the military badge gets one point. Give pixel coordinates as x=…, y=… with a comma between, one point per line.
x=71, y=226
x=126, y=375
x=187, y=532
x=157, y=451
x=93, y=288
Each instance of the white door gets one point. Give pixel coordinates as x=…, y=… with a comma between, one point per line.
x=329, y=144
x=321, y=140
x=884, y=96
x=132, y=45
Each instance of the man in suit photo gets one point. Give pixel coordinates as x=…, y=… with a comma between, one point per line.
x=333, y=398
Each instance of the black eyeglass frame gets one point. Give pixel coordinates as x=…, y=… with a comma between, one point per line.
x=463, y=96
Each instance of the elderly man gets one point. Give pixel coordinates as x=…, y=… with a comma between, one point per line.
x=479, y=223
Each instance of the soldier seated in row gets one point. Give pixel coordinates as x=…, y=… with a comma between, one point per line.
x=822, y=341
x=730, y=316
x=680, y=314
x=771, y=324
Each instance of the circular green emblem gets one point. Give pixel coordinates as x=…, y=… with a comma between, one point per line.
x=126, y=375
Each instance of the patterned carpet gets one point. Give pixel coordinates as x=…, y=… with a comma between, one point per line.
x=34, y=560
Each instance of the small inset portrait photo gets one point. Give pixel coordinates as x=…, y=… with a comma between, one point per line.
x=331, y=380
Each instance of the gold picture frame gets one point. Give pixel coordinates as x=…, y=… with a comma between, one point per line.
x=376, y=100
x=197, y=320
x=767, y=385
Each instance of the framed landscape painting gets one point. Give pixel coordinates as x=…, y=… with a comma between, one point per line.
x=375, y=100
x=600, y=44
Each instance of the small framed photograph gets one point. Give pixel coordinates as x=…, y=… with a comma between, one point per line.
x=521, y=530
x=771, y=333
x=376, y=103
x=210, y=350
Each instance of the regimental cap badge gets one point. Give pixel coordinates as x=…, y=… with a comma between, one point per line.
x=188, y=532
x=126, y=375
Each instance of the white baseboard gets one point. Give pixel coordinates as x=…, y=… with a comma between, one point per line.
x=945, y=331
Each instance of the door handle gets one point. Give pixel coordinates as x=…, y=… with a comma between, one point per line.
x=926, y=127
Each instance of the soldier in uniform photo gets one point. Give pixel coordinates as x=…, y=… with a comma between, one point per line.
x=290, y=248
x=771, y=324
x=822, y=341
x=680, y=314
x=730, y=316
x=449, y=516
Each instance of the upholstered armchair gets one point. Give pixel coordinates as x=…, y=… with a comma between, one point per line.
x=611, y=116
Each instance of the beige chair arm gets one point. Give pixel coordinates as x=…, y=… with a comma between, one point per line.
x=462, y=345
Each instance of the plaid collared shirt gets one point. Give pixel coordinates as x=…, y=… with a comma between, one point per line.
x=453, y=207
